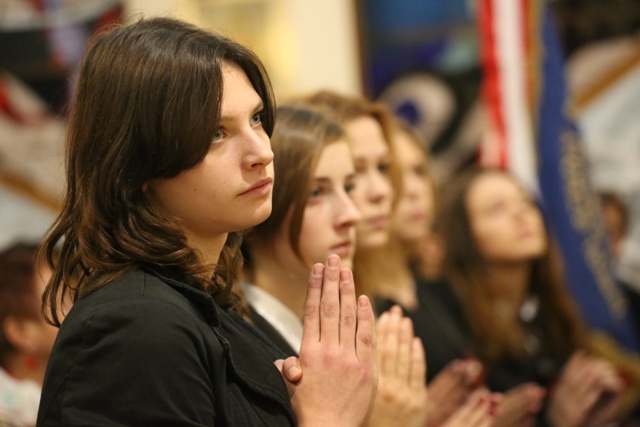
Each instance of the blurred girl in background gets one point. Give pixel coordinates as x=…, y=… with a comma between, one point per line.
x=25, y=338
x=502, y=299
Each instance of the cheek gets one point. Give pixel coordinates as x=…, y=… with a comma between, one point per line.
x=402, y=210
x=312, y=228
x=358, y=196
x=488, y=237
x=163, y=196
x=428, y=198
x=542, y=233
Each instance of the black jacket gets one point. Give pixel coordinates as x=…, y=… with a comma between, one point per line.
x=444, y=328
x=146, y=350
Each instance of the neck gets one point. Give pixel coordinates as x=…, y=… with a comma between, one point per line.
x=209, y=249
x=388, y=272
x=25, y=367
x=287, y=284
x=510, y=283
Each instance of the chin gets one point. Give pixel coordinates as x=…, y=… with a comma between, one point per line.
x=413, y=235
x=373, y=240
x=262, y=213
x=347, y=262
x=246, y=223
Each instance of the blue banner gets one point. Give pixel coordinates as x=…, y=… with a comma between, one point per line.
x=570, y=202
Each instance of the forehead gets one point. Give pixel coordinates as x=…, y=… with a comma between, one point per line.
x=407, y=150
x=335, y=160
x=239, y=98
x=489, y=187
x=366, y=137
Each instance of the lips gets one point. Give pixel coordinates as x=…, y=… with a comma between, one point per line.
x=417, y=216
x=378, y=221
x=260, y=187
x=343, y=248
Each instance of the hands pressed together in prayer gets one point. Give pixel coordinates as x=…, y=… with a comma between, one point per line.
x=333, y=381
x=352, y=372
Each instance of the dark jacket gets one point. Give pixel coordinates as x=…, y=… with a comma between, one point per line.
x=272, y=334
x=443, y=326
x=147, y=350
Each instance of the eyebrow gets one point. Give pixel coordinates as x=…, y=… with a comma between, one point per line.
x=321, y=180
x=386, y=157
x=324, y=179
x=258, y=107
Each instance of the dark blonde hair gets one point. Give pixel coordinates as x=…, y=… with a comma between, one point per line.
x=147, y=105
x=297, y=142
x=465, y=268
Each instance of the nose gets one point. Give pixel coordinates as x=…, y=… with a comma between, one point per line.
x=379, y=187
x=411, y=186
x=521, y=209
x=347, y=214
x=257, y=153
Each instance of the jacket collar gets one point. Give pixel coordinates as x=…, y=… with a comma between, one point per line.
x=190, y=288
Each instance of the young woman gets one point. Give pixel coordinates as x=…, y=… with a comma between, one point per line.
x=369, y=127
x=312, y=218
x=168, y=159
x=381, y=268
x=25, y=338
x=503, y=301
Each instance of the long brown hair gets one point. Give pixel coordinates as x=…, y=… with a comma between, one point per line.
x=146, y=106
x=297, y=142
x=465, y=268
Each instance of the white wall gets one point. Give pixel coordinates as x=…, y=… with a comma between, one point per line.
x=324, y=48
x=306, y=44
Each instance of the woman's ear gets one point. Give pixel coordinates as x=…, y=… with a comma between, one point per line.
x=22, y=333
x=145, y=186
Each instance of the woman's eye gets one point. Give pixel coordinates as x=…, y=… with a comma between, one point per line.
x=217, y=136
x=496, y=209
x=256, y=119
x=420, y=170
x=315, y=192
x=383, y=168
x=348, y=188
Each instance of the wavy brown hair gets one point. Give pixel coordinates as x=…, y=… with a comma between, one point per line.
x=146, y=106
x=465, y=268
x=298, y=139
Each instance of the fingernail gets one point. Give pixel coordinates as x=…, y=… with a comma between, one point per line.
x=363, y=301
x=405, y=326
x=333, y=260
x=294, y=371
x=317, y=269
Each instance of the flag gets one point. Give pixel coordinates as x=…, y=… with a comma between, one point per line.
x=531, y=133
